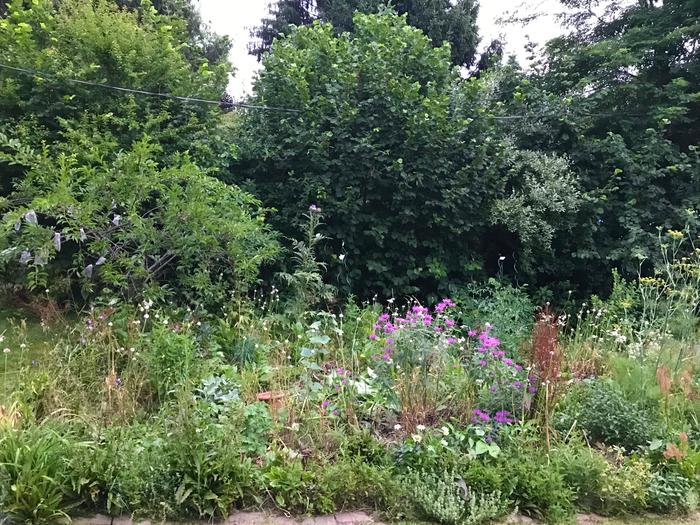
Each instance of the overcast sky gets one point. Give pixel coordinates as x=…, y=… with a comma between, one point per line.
x=236, y=17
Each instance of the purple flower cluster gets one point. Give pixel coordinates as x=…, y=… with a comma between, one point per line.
x=505, y=382
x=502, y=417
x=415, y=316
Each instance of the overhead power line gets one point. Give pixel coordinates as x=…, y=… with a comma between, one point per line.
x=44, y=74
x=227, y=104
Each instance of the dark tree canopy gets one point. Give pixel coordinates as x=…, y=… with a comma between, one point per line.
x=441, y=20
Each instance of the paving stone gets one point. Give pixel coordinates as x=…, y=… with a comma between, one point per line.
x=320, y=520
x=97, y=519
x=589, y=519
x=279, y=520
x=248, y=518
x=516, y=518
x=353, y=518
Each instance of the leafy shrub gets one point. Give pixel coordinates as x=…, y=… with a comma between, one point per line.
x=669, y=492
x=208, y=452
x=506, y=307
x=446, y=499
x=98, y=42
x=623, y=485
x=481, y=477
x=134, y=470
x=536, y=487
x=605, y=415
x=356, y=485
x=38, y=481
x=540, y=491
x=446, y=448
x=404, y=149
x=581, y=469
x=118, y=219
x=291, y=486
x=171, y=358
x=194, y=460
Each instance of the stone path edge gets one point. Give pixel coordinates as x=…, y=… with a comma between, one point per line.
x=244, y=518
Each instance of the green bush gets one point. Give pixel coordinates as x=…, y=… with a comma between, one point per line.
x=600, y=410
x=353, y=484
x=445, y=498
x=38, y=479
x=529, y=478
x=194, y=460
x=669, y=492
x=171, y=359
x=98, y=42
x=417, y=188
x=581, y=469
x=482, y=477
x=623, y=486
x=506, y=307
x=120, y=220
x=134, y=471
x=291, y=486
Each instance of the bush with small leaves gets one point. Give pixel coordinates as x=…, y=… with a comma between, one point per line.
x=669, y=492
x=445, y=498
x=604, y=415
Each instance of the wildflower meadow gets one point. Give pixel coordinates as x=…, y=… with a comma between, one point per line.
x=410, y=274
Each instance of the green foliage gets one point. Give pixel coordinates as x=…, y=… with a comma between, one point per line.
x=445, y=498
x=669, y=492
x=305, y=281
x=599, y=409
x=506, y=307
x=290, y=486
x=388, y=144
x=624, y=122
x=582, y=469
x=97, y=42
x=171, y=360
x=194, y=460
x=98, y=218
x=537, y=490
x=529, y=479
x=38, y=481
x=355, y=484
x=623, y=485
x=441, y=20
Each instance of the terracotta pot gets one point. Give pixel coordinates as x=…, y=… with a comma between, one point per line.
x=274, y=398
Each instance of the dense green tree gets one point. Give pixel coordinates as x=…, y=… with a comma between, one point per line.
x=618, y=96
x=100, y=43
x=441, y=20
x=202, y=40
x=418, y=186
x=105, y=188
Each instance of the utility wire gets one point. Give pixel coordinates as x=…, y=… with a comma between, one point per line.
x=226, y=104
x=223, y=103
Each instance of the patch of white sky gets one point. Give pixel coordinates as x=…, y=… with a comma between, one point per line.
x=235, y=18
